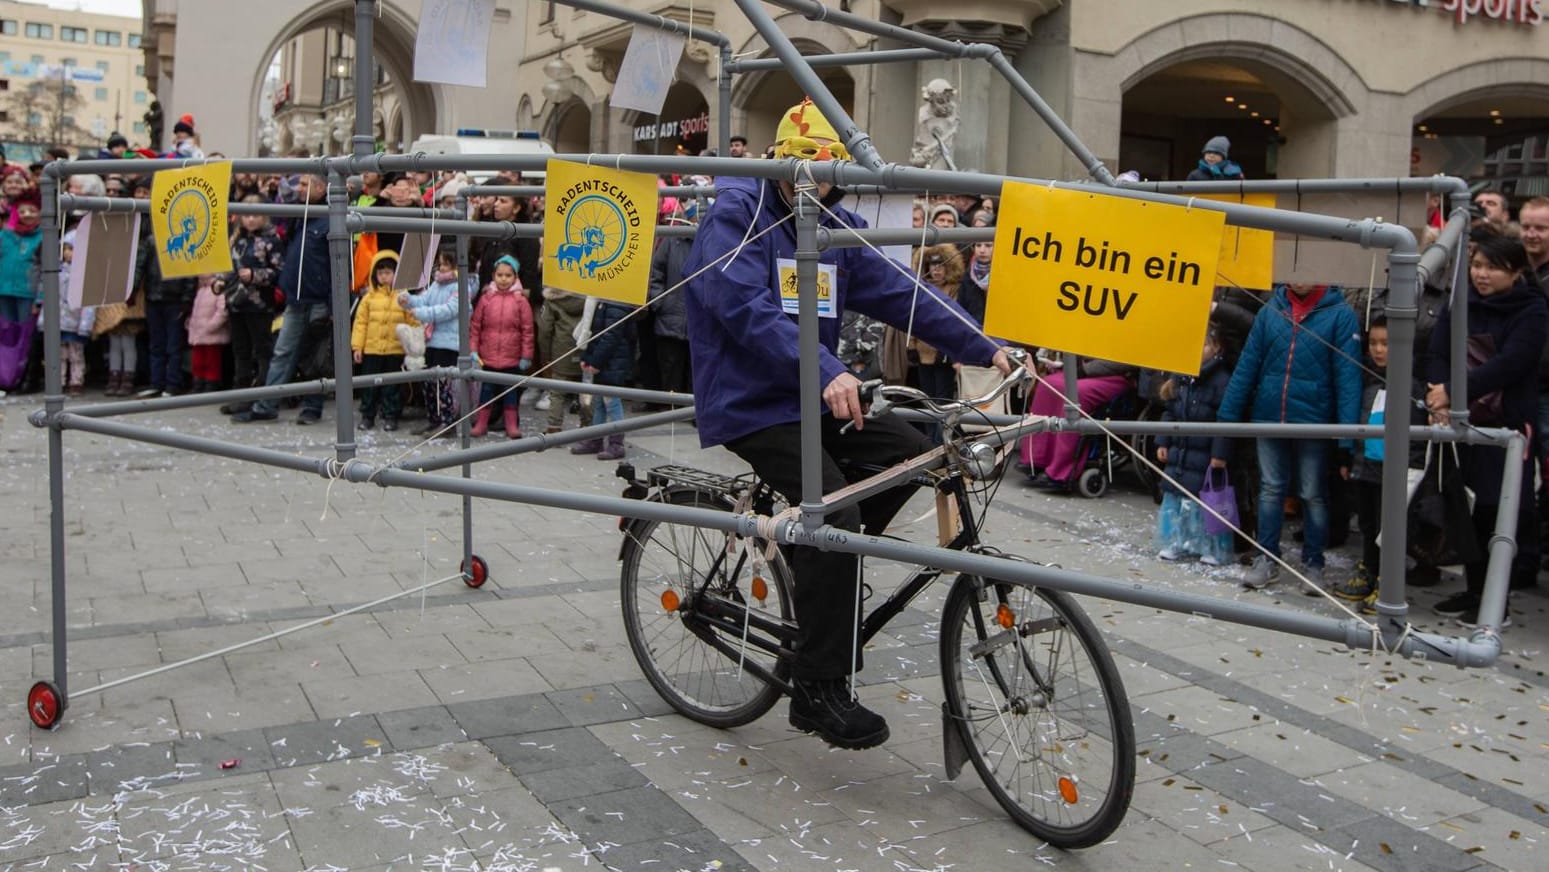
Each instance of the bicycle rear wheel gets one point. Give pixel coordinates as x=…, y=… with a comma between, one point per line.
x=1040, y=707
x=682, y=593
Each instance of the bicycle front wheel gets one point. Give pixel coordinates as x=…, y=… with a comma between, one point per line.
x=1035, y=696
x=693, y=612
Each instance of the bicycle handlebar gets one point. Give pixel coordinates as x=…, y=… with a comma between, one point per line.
x=883, y=397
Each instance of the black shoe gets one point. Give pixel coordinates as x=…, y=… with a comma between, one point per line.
x=429, y=428
x=828, y=709
x=306, y=418
x=252, y=415
x=235, y=408
x=389, y=424
x=366, y=422
x=1457, y=605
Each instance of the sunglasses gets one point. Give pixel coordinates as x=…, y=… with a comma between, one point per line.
x=809, y=149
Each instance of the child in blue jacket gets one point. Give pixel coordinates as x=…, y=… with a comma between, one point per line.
x=1300, y=365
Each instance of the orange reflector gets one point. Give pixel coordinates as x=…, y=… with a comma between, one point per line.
x=1004, y=616
x=1068, y=789
x=760, y=588
x=670, y=600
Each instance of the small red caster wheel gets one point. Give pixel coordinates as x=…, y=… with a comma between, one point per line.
x=45, y=705
x=478, y=574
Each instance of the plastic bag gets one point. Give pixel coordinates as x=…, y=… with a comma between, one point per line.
x=1221, y=499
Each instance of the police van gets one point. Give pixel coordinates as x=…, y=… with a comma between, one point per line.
x=469, y=140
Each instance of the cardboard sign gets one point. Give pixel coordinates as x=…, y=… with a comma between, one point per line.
x=102, y=264
x=188, y=220
x=646, y=73
x=451, y=42
x=598, y=231
x=1247, y=255
x=417, y=261
x=1103, y=276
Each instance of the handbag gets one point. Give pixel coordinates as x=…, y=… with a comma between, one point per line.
x=1221, y=500
x=15, y=346
x=1488, y=410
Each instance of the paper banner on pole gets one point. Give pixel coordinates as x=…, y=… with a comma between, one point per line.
x=1247, y=255
x=647, y=70
x=598, y=231
x=188, y=219
x=102, y=262
x=452, y=43
x=1103, y=276
x=416, y=261
x=887, y=210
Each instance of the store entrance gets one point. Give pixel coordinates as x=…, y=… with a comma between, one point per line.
x=1276, y=126
x=1495, y=142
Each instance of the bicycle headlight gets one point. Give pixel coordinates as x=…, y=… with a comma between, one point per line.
x=979, y=460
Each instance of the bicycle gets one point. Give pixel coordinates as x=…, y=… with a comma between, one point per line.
x=1032, y=697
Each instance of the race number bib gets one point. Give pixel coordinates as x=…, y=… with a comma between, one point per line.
x=789, y=298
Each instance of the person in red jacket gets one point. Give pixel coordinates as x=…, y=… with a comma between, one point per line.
x=502, y=335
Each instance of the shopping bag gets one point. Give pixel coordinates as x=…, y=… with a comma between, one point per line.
x=977, y=381
x=1221, y=499
x=15, y=346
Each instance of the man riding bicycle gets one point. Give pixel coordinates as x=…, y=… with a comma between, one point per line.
x=744, y=345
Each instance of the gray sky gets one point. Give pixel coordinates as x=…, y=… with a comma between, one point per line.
x=131, y=8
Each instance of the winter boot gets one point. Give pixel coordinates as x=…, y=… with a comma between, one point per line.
x=513, y=430
x=613, y=447
x=480, y=422
x=590, y=446
x=115, y=378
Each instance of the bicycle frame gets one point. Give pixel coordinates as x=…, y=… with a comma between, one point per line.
x=713, y=613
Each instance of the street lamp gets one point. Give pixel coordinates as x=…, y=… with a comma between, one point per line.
x=556, y=90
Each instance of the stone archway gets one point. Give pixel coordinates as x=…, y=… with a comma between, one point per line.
x=419, y=104
x=1487, y=122
x=1311, y=88
x=758, y=98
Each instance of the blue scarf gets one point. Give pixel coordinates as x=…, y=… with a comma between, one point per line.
x=1226, y=169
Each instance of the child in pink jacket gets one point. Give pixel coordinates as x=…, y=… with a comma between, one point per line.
x=209, y=332
x=501, y=333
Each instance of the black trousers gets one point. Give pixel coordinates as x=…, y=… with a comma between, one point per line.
x=672, y=359
x=383, y=397
x=252, y=342
x=826, y=581
x=1368, y=505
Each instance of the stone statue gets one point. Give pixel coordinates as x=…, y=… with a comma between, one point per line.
x=936, y=127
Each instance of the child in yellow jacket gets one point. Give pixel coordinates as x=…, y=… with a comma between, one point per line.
x=374, y=340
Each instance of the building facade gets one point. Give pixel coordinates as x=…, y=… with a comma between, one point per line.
x=1304, y=88
x=69, y=79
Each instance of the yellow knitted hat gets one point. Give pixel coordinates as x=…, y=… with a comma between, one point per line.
x=800, y=128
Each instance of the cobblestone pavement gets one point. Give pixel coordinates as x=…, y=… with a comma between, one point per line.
x=508, y=728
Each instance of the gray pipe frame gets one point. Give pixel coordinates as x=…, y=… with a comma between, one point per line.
x=121, y=205
x=362, y=142
x=541, y=442
x=842, y=59
x=144, y=166
x=540, y=190
x=1408, y=184
x=53, y=405
x=341, y=264
x=1352, y=633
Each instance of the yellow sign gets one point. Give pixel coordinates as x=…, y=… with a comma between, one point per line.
x=790, y=296
x=598, y=231
x=1103, y=276
x=188, y=219
x=1247, y=255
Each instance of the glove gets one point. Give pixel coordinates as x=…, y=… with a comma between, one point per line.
x=524, y=364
